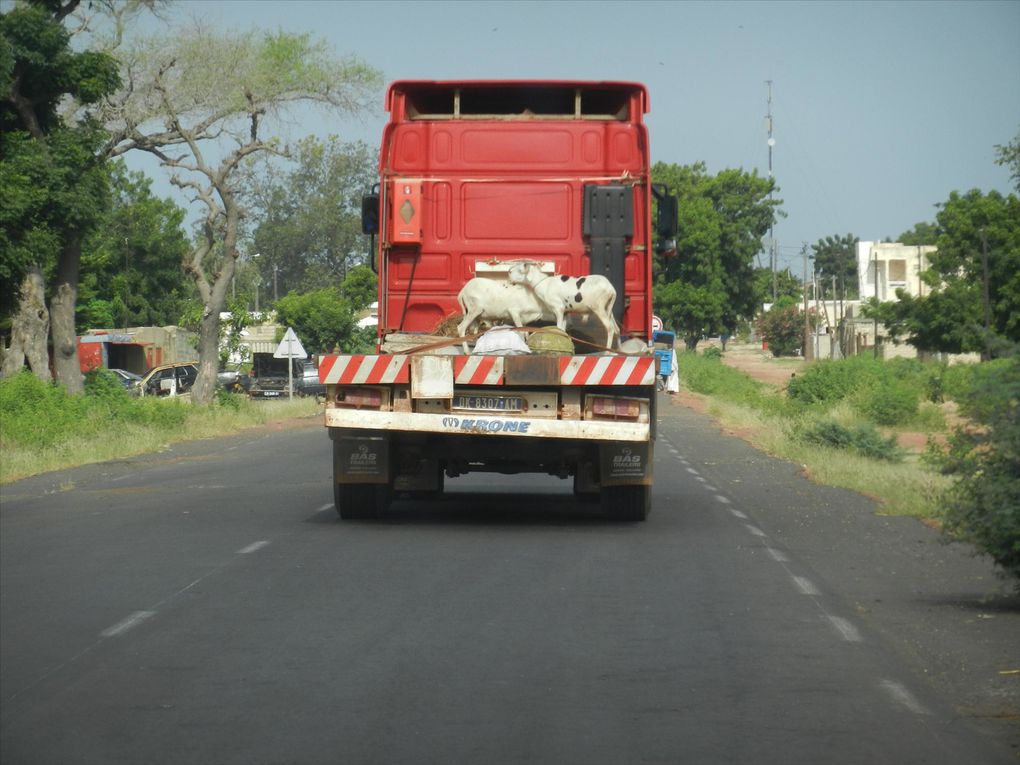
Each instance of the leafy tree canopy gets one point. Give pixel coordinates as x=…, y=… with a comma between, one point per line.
x=922, y=234
x=709, y=285
x=1009, y=156
x=51, y=170
x=836, y=256
x=131, y=264
x=787, y=285
x=978, y=241
x=310, y=215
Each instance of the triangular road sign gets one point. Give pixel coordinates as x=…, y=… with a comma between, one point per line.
x=290, y=347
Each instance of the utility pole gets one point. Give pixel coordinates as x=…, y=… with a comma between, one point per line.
x=875, y=250
x=987, y=298
x=808, y=350
x=772, y=234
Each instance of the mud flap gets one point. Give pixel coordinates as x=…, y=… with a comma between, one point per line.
x=626, y=463
x=363, y=459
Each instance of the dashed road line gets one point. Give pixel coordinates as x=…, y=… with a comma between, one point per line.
x=737, y=514
x=755, y=530
x=721, y=498
x=806, y=586
x=777, y=555
x=903, y=697
x=845, y=628
x=254, y=546
x=125, y=624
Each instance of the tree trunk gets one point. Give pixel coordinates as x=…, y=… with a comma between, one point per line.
x=691, y=342
x=208, y=357
x=209, y=336
x=30, y=329
x=62, y=305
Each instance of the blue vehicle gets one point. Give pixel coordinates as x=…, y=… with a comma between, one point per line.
x=662, y=343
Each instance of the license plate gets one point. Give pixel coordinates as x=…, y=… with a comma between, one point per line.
x=268, y=393
x=489, y=403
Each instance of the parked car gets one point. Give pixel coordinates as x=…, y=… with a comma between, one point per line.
x=308, y=384
x=128, y=379
x=178, y=377
x=269, y=376
x=234, y=379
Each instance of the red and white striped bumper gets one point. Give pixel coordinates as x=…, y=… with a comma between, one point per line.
x=487, y=370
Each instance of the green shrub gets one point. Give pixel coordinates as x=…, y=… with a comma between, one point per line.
x=713, y=352
x=36, y=413
x=889, y=402
x=783, y=329
x=226, y=399
x=864, y=439
x=830, y=381
x=983, y=506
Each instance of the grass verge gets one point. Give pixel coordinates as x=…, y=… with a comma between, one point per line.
x=777, y=424
x=43, y=429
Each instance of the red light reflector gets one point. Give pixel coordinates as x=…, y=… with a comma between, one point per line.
x=624, y=408
x=360, y=397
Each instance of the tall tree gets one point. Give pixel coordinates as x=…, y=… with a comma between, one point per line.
x=836, y=258
x=52, y=172
x=973, y=280
x=1009, y=156
x=309, y=234
x=709, y=285
x=920, y=235
x=131, y=263
x=200, y=100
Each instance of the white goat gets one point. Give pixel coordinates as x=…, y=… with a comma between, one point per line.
x=564, y=294
x=483, y=298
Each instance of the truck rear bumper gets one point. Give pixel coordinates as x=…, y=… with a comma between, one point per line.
x=586, y=430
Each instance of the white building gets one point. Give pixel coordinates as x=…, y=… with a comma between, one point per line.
x=884, y=267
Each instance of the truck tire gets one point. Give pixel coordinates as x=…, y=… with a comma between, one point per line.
x=360, y=501
x=627, y=503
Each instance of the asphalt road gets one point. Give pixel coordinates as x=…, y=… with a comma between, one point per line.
x=205, y=605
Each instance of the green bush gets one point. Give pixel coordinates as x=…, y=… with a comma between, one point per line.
x=890, y=402
x=783, y=329
x=830, y=381
x=863, y=439
x=36, y=414
x=713, y=352
x=983, y=506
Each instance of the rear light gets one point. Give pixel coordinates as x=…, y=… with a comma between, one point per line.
x=617, y=408
x=359, y=398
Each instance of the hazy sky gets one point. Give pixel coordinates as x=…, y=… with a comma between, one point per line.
x=880, y=109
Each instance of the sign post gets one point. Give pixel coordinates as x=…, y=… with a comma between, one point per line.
x=290, y=348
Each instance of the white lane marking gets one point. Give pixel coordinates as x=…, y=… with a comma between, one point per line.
x=778, y=556
x=692, y=471
x=710, y=487
x=755, y=530
x=722, y=499
x=125, y=624
x=806, y=586
x=253, y=547
x=699, y=478
x=737, y=514
x=902, y=696
x=846, y=629
x=327, y=506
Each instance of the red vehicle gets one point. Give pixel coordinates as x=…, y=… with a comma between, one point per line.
x=475, y=177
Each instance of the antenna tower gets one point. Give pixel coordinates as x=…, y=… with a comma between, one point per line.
x=773, y=252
